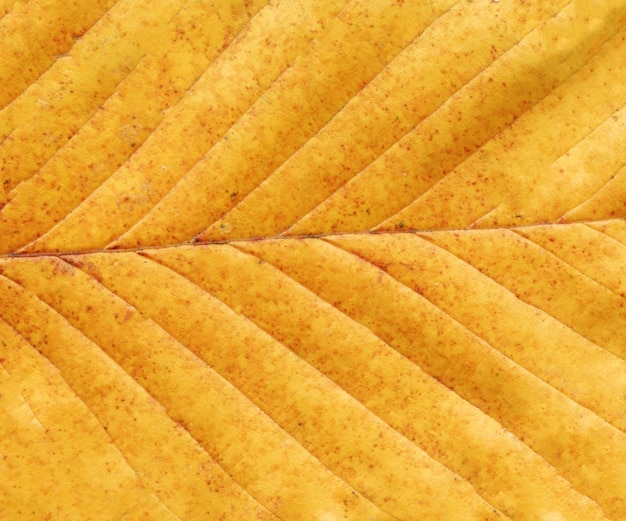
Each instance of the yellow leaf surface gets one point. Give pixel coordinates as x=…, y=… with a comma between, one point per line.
x=320, y=261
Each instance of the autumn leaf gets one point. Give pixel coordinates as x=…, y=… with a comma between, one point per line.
x=345, y=260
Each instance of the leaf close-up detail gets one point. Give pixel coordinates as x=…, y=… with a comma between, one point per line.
x=313, y=260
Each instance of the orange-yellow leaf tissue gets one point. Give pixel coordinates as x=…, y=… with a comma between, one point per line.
x=322, y=260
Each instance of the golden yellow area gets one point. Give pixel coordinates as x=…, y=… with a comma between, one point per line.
x=313, y=260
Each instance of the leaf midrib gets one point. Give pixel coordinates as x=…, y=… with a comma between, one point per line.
x=280, y=237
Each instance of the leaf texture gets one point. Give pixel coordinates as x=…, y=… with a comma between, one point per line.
x=287, y=260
